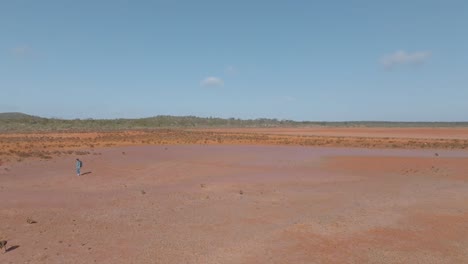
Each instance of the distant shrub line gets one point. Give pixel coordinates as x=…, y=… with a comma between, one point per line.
x=30, y=123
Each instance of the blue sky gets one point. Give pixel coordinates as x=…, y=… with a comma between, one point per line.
x=300, y=60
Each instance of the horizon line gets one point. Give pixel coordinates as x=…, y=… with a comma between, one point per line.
x=235, y=118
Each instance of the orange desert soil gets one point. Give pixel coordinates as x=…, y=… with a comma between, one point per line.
x=316, y=195
x=20, y=146
x=425, y=132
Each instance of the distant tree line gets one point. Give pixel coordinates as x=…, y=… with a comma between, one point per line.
x=22, y=122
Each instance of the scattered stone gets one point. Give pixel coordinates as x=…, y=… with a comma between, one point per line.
x=30, y=221
x=143, y=192
x=436, y=154
x=123, y=153
x=202, y=185
x=241, y=192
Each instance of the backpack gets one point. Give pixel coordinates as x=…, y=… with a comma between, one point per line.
x=81, y=164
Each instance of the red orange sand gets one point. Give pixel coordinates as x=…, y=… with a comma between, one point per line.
x=238, y=204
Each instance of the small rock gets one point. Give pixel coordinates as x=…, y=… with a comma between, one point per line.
x=29, y=220
x=143, y=192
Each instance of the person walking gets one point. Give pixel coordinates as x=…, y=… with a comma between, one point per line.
x=78, y=164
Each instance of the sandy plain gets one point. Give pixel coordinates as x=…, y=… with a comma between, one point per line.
x=222, y=197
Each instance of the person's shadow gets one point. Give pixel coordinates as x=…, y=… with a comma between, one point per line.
x=11, y=248
x=85, y=173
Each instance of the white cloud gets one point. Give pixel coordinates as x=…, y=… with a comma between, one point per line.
x=212, y=82
x=21, y=51
x=402, y=57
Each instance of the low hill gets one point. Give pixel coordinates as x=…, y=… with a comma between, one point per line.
x=17, y=115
